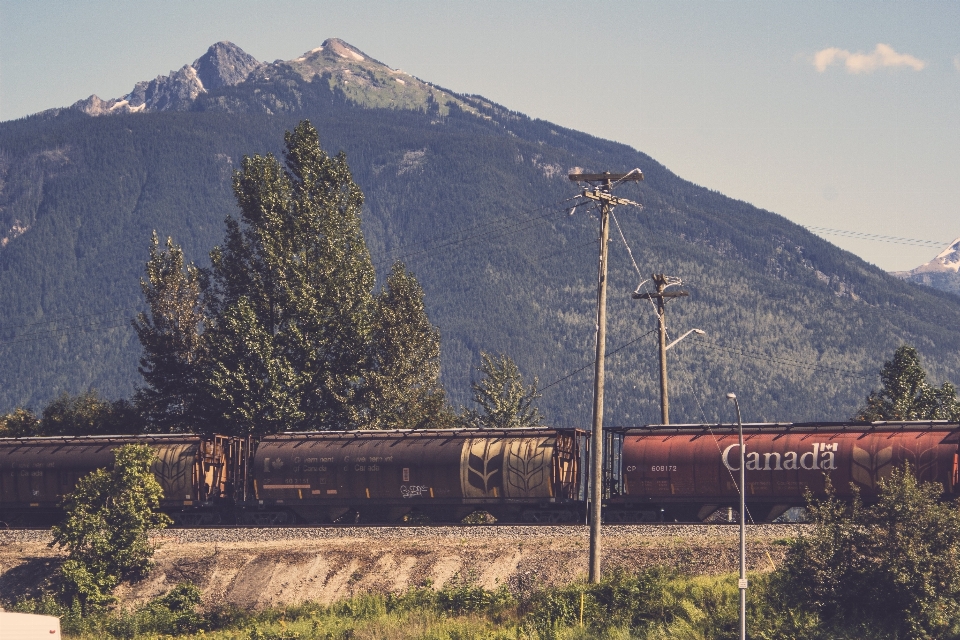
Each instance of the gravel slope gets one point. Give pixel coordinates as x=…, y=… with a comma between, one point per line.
x=254, y=568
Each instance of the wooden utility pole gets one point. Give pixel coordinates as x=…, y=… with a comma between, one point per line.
x=601, y=193
x=661, y=297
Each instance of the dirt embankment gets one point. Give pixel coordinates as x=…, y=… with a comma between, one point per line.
x=255, y=568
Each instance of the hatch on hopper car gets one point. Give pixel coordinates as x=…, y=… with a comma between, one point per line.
x=688, y=472
x=443, y=474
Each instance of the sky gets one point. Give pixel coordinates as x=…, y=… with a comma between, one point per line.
x=839, y=115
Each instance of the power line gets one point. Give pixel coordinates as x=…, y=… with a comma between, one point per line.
x=590, y=364
x=64, y=318
x=383, y=259
x=70, y=331
x=40, y=334
x=860, y=235
x=382, y=262
x=798, y=363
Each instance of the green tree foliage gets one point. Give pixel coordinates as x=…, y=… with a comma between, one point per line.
x=19, y=423
x=81, y=415
x=105, y=530
x=891, y=569
x=254, y=387
x=286, y=332
x=293, y=283
x=88, y=414
x=172, y=334
x=404, y=390
x=906, y=395
x=505, y=403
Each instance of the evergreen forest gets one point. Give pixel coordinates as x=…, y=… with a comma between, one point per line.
x=475, y=203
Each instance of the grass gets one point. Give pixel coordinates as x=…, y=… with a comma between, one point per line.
x=652, y=604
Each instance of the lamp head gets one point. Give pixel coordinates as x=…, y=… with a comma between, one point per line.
x=731, y=396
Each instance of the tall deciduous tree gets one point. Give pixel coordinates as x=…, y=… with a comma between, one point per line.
x=172, y=333
x=505, y=403
x=906, y=395
x=294, y=283
x=404, y=390
x=284, y=331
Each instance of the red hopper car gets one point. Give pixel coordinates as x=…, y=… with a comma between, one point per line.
x=689, y=472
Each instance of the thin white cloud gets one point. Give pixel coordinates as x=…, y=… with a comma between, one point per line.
x=882, y=57
x=956, y=62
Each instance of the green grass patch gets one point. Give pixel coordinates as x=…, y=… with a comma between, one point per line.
x=655, y=603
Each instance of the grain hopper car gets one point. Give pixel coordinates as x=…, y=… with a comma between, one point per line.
x=194, y=472
x=689, y=473
x=683, y=473
x=517, y=475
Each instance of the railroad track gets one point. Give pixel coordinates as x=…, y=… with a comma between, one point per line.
x=244, y=534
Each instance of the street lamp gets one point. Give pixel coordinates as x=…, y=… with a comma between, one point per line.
x=742, y=584
x=700, y=332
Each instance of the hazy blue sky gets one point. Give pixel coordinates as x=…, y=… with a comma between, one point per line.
x=839, y=114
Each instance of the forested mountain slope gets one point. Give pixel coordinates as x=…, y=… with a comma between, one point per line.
x=473, y=198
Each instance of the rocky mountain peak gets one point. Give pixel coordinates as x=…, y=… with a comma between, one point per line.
x=369, y=82
x=947, y=260
x=343, y=49
x=943, y=272
x=363, y=80
x=224, y=64
x=175, y=92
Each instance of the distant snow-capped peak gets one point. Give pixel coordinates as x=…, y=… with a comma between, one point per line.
x=946, y=260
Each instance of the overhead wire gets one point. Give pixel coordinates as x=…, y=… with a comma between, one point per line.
x=30, y=337
x=10, y=327
x=590, y=364
x=860, y=235
x=106, y=324
x=716, y=441
x=799, y=363
x=497, y=220
x=382, y=260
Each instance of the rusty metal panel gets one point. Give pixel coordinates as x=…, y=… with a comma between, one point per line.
x=566, y=466
x=174, y=470
x=678, y=467
x=348, y=468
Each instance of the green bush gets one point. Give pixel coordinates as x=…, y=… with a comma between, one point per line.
x=888, y=570
x=108, y=517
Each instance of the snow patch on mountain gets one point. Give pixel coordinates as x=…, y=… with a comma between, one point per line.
x=947, y=261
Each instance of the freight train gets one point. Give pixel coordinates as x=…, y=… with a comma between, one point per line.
x=683, y=473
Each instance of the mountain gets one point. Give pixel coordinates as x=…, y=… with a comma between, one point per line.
x=943, y=272
x=473, y=197
x=223, y=65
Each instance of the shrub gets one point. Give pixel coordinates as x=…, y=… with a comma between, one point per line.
x=105, y=530
x=888, y=570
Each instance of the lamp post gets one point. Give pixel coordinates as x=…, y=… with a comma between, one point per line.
x=699, y=332
x=742, y=584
